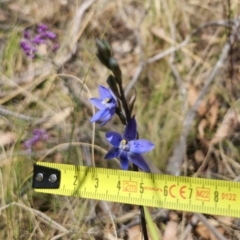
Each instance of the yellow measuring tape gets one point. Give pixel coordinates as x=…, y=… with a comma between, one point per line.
x=208, y=196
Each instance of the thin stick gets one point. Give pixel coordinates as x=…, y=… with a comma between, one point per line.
x=213, y=230
x=189, y=227
x=171, y=50
x=186, y=40
x=6, y=112
x=175, y=162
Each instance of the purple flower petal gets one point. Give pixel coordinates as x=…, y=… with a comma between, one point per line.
x=124, y=160
x=106, y=119
x=42, y=28
x=131, y=148
x=114, y=138
x=139, y=161
x=35, y=138
x=140, y=146
x=113, y=153
x=38, y=134
x=99, y=115
x=32, y=40
x=108, y=107
x=26, y=34
x=37, y=131
x=25, y=45
x=130, y=132
x=50, y=35
x=108, y=116
x=27, y=144
x=104, y=92
x=28, y=48
x=97, y=102
x=38, y=39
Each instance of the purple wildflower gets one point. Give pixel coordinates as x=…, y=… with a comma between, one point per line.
x=38, y=135
x=128, y=148
x=28, y=48
x=106, y=104
x=25, y=45
x=39, y=39
x=45, y=33
x=42, y=28
x=30, y=42
x=26, y=34
x=50, y=35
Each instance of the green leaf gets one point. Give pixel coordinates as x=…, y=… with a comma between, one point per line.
x=151, y=225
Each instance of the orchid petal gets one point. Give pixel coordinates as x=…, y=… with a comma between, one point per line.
x=99, y=115
x=108, y=116
x=114, y=138
x=139, y=161
x=140, y=146
x=104, y=92
x=105, y=119
x=113, y=153
x=97, y=102
x=124, y=160
x=130, y=132
x=106, y=104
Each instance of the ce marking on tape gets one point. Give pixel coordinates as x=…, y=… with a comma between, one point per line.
x=175, y=192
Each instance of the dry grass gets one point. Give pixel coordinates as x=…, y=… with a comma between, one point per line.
x=51, y=93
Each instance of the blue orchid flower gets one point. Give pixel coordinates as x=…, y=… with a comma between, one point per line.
x=128, y=148
x=106, y=104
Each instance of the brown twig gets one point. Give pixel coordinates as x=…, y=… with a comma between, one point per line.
x=142, y=63
x=189, y=227
x=175, y=161
x=167, y=52
x=210, y=227
x=6, y=112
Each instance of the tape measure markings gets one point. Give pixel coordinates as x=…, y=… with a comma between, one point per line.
x=180, y=193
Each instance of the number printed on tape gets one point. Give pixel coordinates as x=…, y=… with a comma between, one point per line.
x=209, y=196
